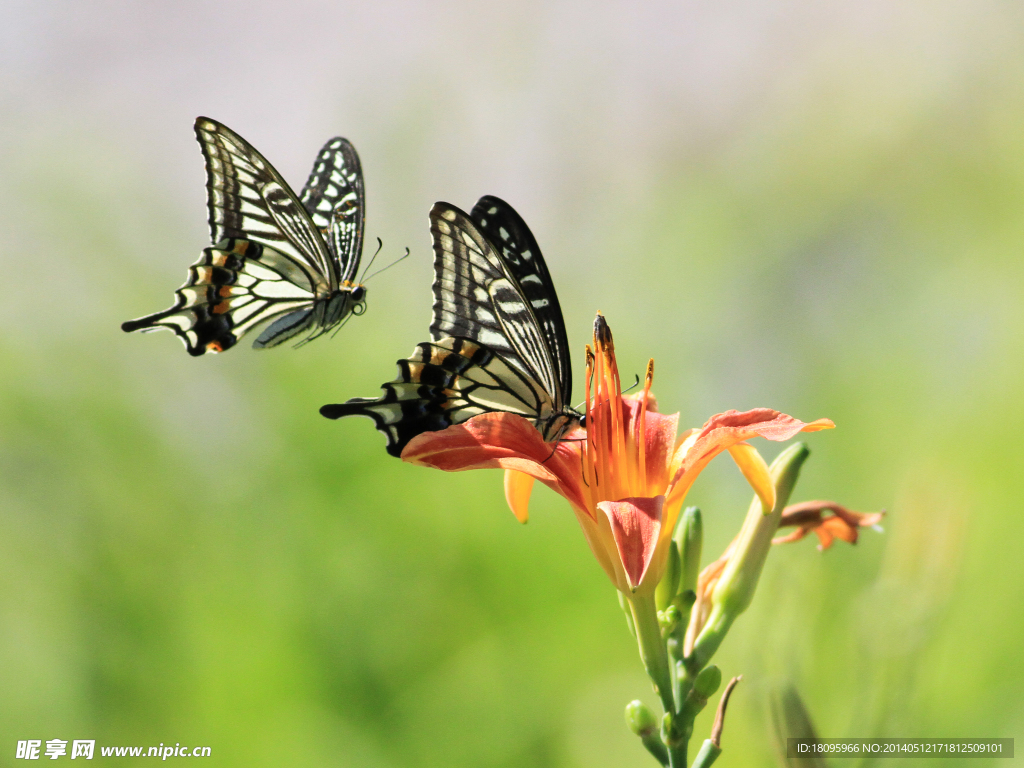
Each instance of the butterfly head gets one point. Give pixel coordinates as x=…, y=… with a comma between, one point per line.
x=555, y=427
x=353, y=298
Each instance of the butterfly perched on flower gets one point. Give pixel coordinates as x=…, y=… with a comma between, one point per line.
x=278, y=260
x=498, y=341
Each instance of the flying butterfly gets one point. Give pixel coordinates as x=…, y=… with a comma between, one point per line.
x=498, y=341
x=280, y=261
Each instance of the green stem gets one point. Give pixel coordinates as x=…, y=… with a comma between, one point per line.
x=655, y=746
x=677, y=756
x=709, y=752
x=652, y=647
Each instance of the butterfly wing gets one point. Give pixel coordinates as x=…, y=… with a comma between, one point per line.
x=247, y=199
x=478, y=296
x=334, y=198
x=233, y=287
x=447, y=382
x=522, y=258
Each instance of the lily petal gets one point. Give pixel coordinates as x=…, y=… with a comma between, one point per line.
x=725, y=430
x=518, y=486
x=754, y=468
x=636, y=523
x=503, y=440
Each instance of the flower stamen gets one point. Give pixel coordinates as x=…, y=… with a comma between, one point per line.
x=641, y=425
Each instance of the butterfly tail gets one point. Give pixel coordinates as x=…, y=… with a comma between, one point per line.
x=424, y=397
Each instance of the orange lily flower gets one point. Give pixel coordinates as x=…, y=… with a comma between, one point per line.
x=810, y=516
x=625, y=475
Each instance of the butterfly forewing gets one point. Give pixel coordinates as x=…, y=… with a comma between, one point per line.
x=334, y=198
x=247, y=198
x=477, y=296
x=521, y=255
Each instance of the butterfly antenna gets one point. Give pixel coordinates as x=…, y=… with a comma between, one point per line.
x=389, y=266
x=380, y=244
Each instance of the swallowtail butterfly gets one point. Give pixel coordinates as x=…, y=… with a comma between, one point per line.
x=498, y=340
x=276, y=258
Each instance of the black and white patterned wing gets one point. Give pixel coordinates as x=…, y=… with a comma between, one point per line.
x=477, y=296
x=521, y=255
x=235, y=286
x=448, y=382
x=334, y=198
x=248, y=199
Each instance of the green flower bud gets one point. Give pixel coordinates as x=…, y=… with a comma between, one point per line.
x=707, y=682
x=689, y=539
x=669, y=619
x=640, y=719
x=735, y=589
x=665, y=592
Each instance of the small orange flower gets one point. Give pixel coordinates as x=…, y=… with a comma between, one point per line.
x=806, y=516
x=810, y=516
x=625, y=475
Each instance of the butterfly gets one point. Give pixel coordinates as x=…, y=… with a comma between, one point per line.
x=277, y=260
x=498, y=341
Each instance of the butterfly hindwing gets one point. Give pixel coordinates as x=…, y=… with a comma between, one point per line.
x=277, y=260
x=443, y=383
x=234, y=286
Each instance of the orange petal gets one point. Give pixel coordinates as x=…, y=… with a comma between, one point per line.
x=839, y=529
x=755, y=470
x=659, y=445
x=796, y=535
x=503, y=440
x=635, y=523
x=518, y=486
x=725, y=430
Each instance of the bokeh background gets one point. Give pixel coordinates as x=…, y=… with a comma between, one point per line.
x=817, y=207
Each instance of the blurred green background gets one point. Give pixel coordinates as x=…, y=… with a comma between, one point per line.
x=813, y=207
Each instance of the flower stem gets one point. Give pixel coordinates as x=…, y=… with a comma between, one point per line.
x=652, y=647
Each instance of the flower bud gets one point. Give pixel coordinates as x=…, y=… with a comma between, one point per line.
x=669, y=619
x=704, y=687
x=689, y=539
x=666, y=590
x=640, y=719
x=707, y=682
x=735, y=588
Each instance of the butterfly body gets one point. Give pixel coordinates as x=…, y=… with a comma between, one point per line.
x=498, y=340
x=282, y=262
